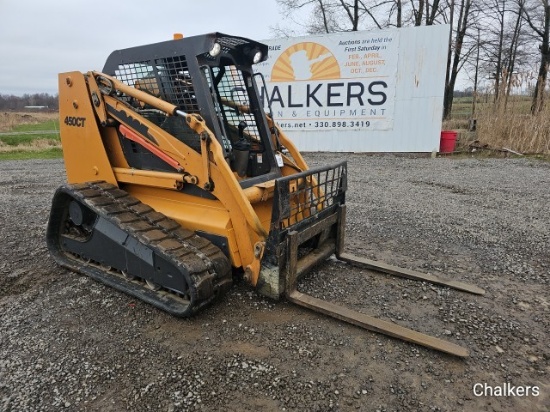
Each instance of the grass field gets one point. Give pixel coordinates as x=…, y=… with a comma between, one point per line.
x=29, y=135
x=501, y=125
x=51, y=153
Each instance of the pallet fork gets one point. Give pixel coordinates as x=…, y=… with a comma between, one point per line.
x=298, y=267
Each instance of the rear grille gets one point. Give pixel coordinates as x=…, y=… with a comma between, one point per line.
x=307, y=194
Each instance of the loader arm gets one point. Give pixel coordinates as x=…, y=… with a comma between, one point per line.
x=190, y=163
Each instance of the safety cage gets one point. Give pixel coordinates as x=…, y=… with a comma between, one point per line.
x=196, y=83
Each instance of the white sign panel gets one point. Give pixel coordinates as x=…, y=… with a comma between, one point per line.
x=337, y=82
x=369, y=91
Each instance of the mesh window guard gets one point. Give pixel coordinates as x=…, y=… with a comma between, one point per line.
x=167, y=78
x=234, y=101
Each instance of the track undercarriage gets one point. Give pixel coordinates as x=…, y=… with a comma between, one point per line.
x=99, y=230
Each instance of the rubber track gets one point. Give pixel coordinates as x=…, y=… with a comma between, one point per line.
x=209, y=271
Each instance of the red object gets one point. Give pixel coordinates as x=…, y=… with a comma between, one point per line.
x=448, y=141
x=129, y=134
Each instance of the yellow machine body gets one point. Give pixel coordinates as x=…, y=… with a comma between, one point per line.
x=92, y=152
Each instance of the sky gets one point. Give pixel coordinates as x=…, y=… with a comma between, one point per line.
x=39, y=39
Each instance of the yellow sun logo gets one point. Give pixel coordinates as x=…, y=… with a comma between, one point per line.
x=305, y=61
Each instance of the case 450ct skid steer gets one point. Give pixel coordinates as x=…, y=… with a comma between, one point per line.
x=179, y=180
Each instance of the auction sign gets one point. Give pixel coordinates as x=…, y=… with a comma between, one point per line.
x=337, y=81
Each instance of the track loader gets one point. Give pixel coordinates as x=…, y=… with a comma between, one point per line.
x=179, y=181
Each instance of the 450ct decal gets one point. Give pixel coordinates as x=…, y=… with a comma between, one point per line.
x=74, y=121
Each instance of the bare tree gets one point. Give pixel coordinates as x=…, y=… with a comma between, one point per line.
x=514, y=47
x=462, y=26
x=425, y=10
x=325, y=22
x=431, y=15
x=418, y=12
x=327, y=16
x=399, y=7
x=537, y=15
x=504, y=49
x=352, y=11
x=324, y=15
x=351, y=15
x=502, y=28
x=499, y=8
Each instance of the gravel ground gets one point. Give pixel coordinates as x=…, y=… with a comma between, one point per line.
x=69, y=343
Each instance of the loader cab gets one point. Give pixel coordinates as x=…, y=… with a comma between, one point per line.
x=210, y=75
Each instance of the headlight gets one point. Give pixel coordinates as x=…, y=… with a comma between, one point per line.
x=215, y=50
x=257, y=57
